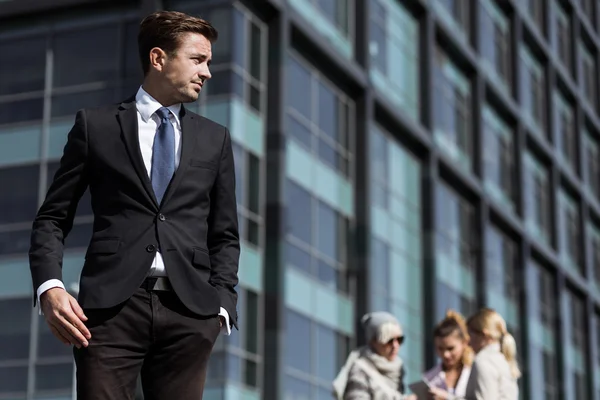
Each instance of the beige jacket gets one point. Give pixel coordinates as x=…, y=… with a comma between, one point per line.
x=490, y=377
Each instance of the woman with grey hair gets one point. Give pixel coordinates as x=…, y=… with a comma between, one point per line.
x=374, y=372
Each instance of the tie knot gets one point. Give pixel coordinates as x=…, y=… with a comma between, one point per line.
x=163, y=113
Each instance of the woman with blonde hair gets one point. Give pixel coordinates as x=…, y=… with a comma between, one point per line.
x=495, y=369
x=448, y=380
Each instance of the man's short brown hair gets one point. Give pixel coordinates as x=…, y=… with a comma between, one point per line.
x=164, y=29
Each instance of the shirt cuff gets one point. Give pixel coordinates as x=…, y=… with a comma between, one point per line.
x=226, y=328
x=44, y=287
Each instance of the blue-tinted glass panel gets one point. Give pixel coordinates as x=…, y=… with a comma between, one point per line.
x=20, y=203
x=298, y=212
x=299, y=88
x=25, y=69
x=298, y=341
x=14, y=337
x=94, y=63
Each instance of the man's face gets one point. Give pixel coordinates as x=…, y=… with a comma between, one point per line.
x=186, y=71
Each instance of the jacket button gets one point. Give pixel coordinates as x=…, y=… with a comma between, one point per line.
x=150, y=248
x=161, y=217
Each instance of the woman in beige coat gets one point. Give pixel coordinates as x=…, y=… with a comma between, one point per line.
x=495, y=370
x=374, y=372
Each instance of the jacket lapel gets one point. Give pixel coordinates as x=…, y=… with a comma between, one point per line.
x=127, y=116
x=188, y=142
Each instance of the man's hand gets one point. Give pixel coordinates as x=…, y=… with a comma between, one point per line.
x=65, y=317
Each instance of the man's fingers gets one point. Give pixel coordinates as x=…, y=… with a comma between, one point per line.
x=58, y=335
x=77, y=309
x=65, y=332
x=76, y=328
x=74, y=318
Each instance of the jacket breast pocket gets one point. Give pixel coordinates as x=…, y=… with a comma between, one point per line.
x=201, y=259
x=194, y=162
x=103, y=247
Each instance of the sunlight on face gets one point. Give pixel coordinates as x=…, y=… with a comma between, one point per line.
x=186, y=71
x=388, y=350
x=450, y=349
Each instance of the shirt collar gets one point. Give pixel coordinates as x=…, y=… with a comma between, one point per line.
x=148, y=105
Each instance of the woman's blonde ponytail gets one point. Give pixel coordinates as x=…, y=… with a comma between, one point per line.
x=508, y=345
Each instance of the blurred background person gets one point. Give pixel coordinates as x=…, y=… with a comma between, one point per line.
x=495, y=369
x=449, y=379
x=375, y=372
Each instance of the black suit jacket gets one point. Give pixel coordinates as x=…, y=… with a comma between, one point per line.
x=195, y=226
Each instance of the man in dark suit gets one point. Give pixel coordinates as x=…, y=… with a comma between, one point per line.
x=158, y=283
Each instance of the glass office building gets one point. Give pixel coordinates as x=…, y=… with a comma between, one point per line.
x=400, y=155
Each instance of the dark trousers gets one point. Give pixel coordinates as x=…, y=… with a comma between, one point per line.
x=152, y=334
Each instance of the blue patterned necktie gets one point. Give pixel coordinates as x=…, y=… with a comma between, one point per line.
x=163, y=154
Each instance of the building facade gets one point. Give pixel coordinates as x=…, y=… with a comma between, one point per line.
x=401, y=155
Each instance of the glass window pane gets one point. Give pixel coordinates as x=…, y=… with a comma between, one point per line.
x=13, y=380
x=253, y=183
x=68, y=104
x=299, y=87
x=297, y=258
x=251, y=373
x=251, y=325
x=327, y=237
x=14, y=337
x=21, y=111
x=54, y=377
x=133, y=68
x=295, y=389
x=24, y=68
x=325, y=353
x=220, y=18
x=20, y=203
x=14, y=242
x=94, y=63
x=327, y=111
x=256, y=51
x=299, y=131
x=298, y=341
x=20, y=143
x=48, y=344
x=298, y=212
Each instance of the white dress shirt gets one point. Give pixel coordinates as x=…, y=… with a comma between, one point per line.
x=148, y=123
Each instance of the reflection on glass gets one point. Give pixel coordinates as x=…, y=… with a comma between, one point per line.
x=295, y=389
x=13, y=380
x=298, y=341
x=21, y=111
x=15, y=242
x=298, y=258
x=14, y=337
x=220, y=18
x=299, y=131
x=67, y=105
x=325, y=353
x=327, y=237
x=298, y=212
x=20, y=203
x=94, y=63
x=298, y=88
x=54, y=377
x=26, y=65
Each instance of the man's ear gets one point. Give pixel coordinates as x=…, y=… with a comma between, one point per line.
x=157, y=58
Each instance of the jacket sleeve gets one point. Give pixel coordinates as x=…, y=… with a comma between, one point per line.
x=54, y=219
x=223, y=237
x=357, y=387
